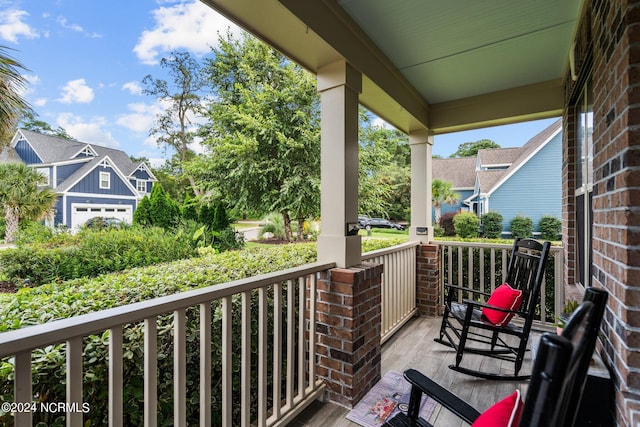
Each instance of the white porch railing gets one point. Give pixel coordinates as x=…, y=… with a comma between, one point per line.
x=398, y=285
x=483, y=266
x=285, y=379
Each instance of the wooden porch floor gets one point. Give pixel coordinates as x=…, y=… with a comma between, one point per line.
x=413, y=347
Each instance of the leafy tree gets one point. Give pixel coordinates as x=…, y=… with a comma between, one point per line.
x=263, y=131
x=384, y=174
x=21, y=197
x=12, y=104
x=189, y=209
x=470, y=149
x=164, y=211
x=442, y=193
x=142, y=214
x=183, y=97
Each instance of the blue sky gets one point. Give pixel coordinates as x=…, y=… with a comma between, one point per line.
x=86, y=61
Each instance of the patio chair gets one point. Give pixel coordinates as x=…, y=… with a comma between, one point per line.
x=555, y=390
x=486, y=328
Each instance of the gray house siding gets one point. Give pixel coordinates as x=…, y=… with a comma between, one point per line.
x=58, y=218
x=535, y=190
x=26, y=153
x=91, y=184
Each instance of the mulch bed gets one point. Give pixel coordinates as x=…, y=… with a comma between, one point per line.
x=7, y=287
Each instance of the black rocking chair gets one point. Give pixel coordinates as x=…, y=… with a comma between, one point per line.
x=467, y=330
x=557, y=380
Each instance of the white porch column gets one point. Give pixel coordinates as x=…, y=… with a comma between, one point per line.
x=421, y=227
x=339, y=85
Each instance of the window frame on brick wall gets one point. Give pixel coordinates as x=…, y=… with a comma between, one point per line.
x=584, y=181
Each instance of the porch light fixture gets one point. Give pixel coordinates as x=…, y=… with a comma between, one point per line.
x=422, y=231
x=352, y=229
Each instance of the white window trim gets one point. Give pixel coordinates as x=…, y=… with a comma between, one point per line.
x=46, y=173
x=105, y=177
x=141, y=183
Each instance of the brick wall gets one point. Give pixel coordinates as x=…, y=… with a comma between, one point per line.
x=428, y=280
x=349, y=329
x=615, y=29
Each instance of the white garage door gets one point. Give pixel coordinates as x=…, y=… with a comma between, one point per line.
x=81, y=213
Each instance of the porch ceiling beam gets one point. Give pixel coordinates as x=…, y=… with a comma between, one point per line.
x=537, y=101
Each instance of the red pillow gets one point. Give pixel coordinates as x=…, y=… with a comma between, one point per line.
x=505, y=413
x=504, y=296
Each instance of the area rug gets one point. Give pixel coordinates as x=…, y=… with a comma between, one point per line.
x=388, y=397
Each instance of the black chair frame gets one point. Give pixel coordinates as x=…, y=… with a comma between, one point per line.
x=557, y=381
x=465, y=329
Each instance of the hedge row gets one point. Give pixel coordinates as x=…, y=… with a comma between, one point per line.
x=94, y=252
x=30, y=306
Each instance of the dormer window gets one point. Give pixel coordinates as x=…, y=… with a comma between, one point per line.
x=45, y=174
x=141, y=185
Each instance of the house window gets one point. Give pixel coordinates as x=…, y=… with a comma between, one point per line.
x=584, y=183
x=141, y=186
x=45, y=174
x=105, y=180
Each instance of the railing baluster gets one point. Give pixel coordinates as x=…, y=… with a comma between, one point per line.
x=150, y=372
x=245, y=376
x=179, y=368
x=115, y=377
x=290, y=340
x=227, y=368
x=277, y=349
x=262, y=357
x=481, y=266
x=74, y=381
x=301, y=340
x=205, y=364
x=312, y=330
x=23, y=387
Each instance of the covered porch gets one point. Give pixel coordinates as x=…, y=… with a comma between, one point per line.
x=426, y=67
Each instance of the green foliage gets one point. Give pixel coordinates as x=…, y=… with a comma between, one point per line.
x=466, y=224
x=442, y=193
x=94, y=252
x=263, y=132
x=189, y=209
x=274, y=224
x=12, y=103
x=33, y=232
x=57, y=301
x=491, y=225
x=470, y=149
x=142, y=214
x=164, y=211
x=207, y=215
x=446, y=224
x=220, y=217
x=521, y=226
x=228, y=239
x=550, y=227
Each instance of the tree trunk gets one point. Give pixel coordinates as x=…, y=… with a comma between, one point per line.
x=300, y=235
x=288, y=235
x=12, y=220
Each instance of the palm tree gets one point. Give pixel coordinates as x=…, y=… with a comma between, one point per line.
x=12, y=105
x=21, y=197
x=441, y=193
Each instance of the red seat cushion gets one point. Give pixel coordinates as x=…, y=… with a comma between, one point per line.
x=505, y=413
x=504, y=296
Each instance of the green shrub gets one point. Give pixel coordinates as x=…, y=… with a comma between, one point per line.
x=466, y=224
x=438, y=231
x=56, y=301
x=33, y=232
x=491, y=225
x=521, y=226
x=228, y=239
x=446, y=223
x=550, y=227
x=274, y=224
x=142, y=214
x=94, y=252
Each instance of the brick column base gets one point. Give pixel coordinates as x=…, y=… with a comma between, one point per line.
x=428, y=280
x=349, y=328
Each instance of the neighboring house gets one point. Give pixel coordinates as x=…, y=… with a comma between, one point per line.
x=512, y=181
x=90, y=180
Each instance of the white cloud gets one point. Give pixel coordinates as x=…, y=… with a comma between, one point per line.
x=140, y=118
x=62, y=21
x=192, y=26
x=40, y=102
x=90, y=130
x=12, y=26
x=133, y=87
x=76, y=91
